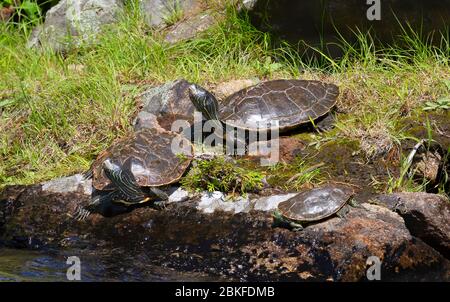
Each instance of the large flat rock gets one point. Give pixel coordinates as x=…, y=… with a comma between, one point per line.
x=233, y=243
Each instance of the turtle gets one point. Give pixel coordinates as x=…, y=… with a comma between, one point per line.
x=132, y=170
x=314, y=205
x=290, y=102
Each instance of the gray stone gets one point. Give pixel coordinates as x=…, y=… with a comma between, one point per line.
x=211, y=202
x=179, y=195
x=157, y=11
x=269, y=203
x=168, y=102
x=426, y=216
x=72, y=22
x=225, y=89
x=190, y=27
x=33, y=40
x=145, y=120
x=69, y=184
x=247, y=4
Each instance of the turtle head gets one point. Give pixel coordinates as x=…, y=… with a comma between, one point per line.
x=110, y=166
x=204, y=102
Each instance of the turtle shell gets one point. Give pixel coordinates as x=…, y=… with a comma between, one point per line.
x=315, y=204
x=290, y=102
x=149, y=155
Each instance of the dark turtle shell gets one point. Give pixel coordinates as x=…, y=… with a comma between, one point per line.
x=148, y=155
x=315, y=204
x=291, y=102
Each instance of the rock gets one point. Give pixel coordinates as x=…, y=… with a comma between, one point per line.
x=269, y=203
x=428, y=166
x=146, y=120
x=217, y=201
x=365, y=232
x=225, y=89
x=168, y=102
x=426, y=216
x=179, y=195
x=427, y=163
x=72, y=22
x=241, y=245
x=70, y=184
x=157, y=11
x=288, y=148
x=316, y=22
x=6, y=13
x=33, y=40
x=247, y=4
x=190, y=27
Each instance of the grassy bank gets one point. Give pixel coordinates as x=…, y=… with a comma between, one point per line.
x=58, y=112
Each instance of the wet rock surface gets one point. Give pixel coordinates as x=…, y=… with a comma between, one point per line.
x=70, y=23
x=426, y=216
x=241, y=245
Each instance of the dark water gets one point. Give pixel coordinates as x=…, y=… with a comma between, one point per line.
x=26, y=265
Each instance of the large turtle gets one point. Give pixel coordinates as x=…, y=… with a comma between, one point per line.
x=314, y=205
x=290, y=102
x=131, y=170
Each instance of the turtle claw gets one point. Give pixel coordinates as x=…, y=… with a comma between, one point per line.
x=295, y=227
x=160, y=205
x=353, y=203
x=82, y=214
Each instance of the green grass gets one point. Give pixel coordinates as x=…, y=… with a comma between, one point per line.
x=58, y=112
x=175, y=14
x=295, y=176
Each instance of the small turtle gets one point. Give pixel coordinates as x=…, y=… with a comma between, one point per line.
x=313, y=205
x=290, y=102
x=131, y=170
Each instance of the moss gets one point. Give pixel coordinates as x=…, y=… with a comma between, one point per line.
x=222, y=175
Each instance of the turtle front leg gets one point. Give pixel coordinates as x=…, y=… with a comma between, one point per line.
x=162, y=196
x=280, y=221
x=342, y=213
